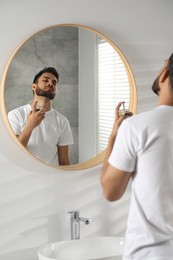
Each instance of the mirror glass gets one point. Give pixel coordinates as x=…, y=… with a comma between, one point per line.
x=94, y=76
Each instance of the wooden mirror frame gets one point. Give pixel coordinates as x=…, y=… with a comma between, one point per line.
x=98, y=159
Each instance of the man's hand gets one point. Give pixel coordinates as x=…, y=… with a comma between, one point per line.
x=34, y=119
x=118, y=119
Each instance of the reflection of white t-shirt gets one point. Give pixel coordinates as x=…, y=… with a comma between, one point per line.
x=144, y=145
x=53, y=131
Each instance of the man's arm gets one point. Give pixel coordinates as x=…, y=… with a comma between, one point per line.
x=113, y=180
x=63, y=155
x=114, y=183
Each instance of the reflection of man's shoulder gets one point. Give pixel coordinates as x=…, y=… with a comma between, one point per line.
x=59, y=115
x=19, y=113
x=21, y=109
x=24, y=108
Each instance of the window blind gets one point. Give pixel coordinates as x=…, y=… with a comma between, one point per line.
x=112, y=87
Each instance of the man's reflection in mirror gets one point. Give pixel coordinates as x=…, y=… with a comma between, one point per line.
x=45, y=132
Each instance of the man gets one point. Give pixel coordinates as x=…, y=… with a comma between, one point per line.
x=141, y=149
x=41, y=129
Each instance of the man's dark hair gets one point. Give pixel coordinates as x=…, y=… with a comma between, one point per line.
x=168, y=72
x=51, y=70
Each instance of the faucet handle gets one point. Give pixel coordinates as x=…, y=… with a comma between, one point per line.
x=74, y=213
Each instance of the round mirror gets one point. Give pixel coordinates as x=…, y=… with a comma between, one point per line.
x=94, y=76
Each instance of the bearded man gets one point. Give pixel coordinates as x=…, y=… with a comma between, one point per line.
x=140, y=149
x=45, y=132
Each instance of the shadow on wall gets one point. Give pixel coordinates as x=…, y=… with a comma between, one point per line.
x=27, y=254
x=34, y=209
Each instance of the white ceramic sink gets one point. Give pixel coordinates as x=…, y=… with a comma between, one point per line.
x=84, y=249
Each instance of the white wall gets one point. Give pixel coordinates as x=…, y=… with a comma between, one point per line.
x=34, y=198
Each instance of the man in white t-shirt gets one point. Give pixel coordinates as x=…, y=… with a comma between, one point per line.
x=41, y=129
x=141, y=149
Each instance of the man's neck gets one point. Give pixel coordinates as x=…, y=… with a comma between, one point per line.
x=166, y=102
x=43, y=102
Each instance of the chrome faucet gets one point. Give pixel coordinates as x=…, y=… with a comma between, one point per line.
x=75, y=220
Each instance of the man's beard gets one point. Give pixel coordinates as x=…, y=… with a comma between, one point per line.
x=45, y=93
x=155, y=86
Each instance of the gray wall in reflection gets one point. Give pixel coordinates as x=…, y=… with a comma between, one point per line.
x=57, y=47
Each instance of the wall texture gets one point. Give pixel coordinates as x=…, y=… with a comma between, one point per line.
x=35, y=198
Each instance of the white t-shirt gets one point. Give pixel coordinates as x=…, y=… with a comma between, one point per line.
x=144, y=145
x=53, y=131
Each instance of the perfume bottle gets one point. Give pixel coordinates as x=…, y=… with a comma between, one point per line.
x=123, y=111
x=38, y=107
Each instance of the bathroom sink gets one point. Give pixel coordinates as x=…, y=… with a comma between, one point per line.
x=83, y=249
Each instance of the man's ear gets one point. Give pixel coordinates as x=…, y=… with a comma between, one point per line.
x=33, y=86
x=164, y=75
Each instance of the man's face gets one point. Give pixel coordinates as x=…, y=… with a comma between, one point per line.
x=156, y=86
x=46, y=86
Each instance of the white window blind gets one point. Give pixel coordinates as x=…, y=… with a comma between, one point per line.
x=112, y=87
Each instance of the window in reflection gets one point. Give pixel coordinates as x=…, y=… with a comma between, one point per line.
x=112, y=87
